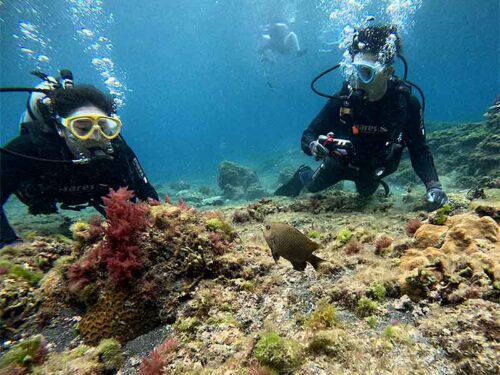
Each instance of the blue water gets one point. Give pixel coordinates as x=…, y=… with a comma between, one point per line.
x=199, y=94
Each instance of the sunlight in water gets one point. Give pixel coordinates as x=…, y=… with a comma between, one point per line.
x=91, y=23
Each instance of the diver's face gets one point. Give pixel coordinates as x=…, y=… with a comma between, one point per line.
x=371, y=76
x=96, y=137
x=95, y=141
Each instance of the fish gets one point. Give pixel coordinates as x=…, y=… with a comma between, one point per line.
x=287, y=242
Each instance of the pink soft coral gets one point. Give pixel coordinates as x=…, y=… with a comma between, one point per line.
x=158, y=359
x=118, y=251
x=81, y=274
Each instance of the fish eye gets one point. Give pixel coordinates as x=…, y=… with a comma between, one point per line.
x=268, y=227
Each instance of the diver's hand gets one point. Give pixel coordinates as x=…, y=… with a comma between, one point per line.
x=436, y=195
x=13, y=242
x=318, y=150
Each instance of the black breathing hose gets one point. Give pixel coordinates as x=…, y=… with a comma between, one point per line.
x=35, y=158
x=313, y=83
x=405, y=79
x=24, y=89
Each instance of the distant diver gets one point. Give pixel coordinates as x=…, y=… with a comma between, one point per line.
x=69, y=151
x=361, y=132
x=277, y=38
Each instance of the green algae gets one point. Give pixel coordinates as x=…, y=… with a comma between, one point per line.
x=366, y=307
x=377, y=291
x=314, y=234
x=371, y=321
x=217, y=225
x=187, y=325
x=343, y=236
x=323, y=317
x=23, y=353
x=32, y=277
x=441, y=215
x=280, y=354
x=396, y=334
x=106, y=358
x=110, y=353
x=61, y=238
x=334, y=343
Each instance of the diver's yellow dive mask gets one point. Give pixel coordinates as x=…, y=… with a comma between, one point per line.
x=83, y=126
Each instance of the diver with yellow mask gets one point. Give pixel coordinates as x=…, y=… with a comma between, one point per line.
x=69, y=151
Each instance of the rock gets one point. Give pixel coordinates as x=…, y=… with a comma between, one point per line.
x=213, y=201
x=489, y=205
x=190, y=196
x=255, y=191
x=486, y=157
x=235, y=175
x=404, y=304
x=469, y=334
x=490, y=211
x=464, y=153
x=429, y=235
x=232, y=192
x=493, y=113
x=285, y=175
x=179, y=185
x=237, y=182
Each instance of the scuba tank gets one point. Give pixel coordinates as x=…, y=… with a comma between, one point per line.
x=38, y=107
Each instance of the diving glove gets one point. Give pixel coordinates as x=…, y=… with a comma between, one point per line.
x=318, y=150
x=436, y=195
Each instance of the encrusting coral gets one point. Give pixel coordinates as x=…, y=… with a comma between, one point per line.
x=453, y=262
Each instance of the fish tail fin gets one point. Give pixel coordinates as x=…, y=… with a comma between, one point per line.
x=315, y=261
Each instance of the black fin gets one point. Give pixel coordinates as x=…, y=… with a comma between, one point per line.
x=299, y=266
x=276, y=257
x=315, y=261
x=292, y=187
x=386, y=188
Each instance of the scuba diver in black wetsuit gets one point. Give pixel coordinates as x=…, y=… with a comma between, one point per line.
x=70, y=151
x=360, y=133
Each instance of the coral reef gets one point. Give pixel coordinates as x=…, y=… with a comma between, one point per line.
x=397, y=294
x=469, y=334
x=22, y=268
x=462, y=152
x=454, y=261
x=33, y=356
x=164, y=249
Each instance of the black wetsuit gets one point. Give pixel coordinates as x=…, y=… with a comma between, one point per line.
x=41, y=184
x=378, y=131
